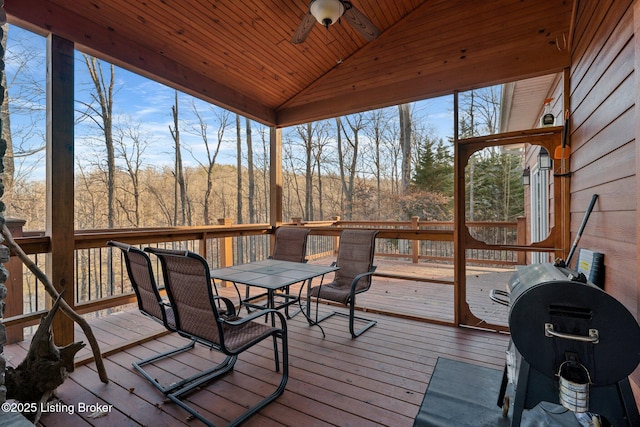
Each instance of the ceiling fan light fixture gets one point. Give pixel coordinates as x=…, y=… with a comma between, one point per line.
x=326, y=12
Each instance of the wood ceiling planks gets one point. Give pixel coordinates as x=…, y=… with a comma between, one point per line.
x=433, y=56
x=237, y=53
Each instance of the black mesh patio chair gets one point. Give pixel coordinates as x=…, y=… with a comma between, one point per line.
x=151, y=304
x=355, y=259
x=188, y=284
x=290, y=245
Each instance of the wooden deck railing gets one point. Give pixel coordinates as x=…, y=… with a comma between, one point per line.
x=100, y=276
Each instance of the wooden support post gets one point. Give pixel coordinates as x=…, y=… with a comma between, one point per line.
x=275, y=176
x=14, y=304
x=521, y=233
x=202, y=246
x=275, y=179
x=336, y=239
x=459, y=256
x=225, y=251
x=226, y=245
x=59, y=178
x=415, y=244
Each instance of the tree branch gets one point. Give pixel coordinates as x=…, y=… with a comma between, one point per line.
x=66, y=309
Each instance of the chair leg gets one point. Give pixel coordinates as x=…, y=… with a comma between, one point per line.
x=176, y=397
x=276, y=354
x=186, y=383
x=195, y=381
x=139, y=364
x=352, y=318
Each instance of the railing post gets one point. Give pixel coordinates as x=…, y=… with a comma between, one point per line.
x=226, y=247
x=415, y=244
x=336, y=239
x=521, y=238
x=14, y=304
x=202, y=245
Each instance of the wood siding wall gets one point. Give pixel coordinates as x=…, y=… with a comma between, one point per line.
x=603, y=141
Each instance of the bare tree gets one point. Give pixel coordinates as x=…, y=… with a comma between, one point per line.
x=102, y=116
x=305, y=132
x=180, y=187
x=250, y=174
x=131, y=144
x=24, y=95
x=264, y=169
x=200, y=128
x=7, y=166
x=157, y=185
x=321, y=142
x=406, y=142
x=348, y=157
x=378, y=132
x=290, y=180
x=251, y=186
x=88, y=200
x=239, y=206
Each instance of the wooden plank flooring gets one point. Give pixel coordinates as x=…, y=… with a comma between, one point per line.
x=376, y=379
x=423, y=299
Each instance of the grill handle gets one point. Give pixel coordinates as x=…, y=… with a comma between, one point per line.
x=594, y=336
x=501, y=297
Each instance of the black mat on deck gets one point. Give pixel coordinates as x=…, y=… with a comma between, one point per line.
x=461, y=394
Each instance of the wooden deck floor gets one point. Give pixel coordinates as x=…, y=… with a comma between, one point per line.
x=425, y=298
x=376, y=379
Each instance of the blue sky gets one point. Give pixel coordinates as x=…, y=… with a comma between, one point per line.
x=137, y=100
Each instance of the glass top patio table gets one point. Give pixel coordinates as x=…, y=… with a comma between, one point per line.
x=271, y=275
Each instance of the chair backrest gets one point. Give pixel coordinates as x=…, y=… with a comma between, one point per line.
x=188, y=283
x=290, y=244
x=142, y=280
x=355, y=256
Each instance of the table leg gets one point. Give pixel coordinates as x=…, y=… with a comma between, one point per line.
x=271, y=304
x=307, y=312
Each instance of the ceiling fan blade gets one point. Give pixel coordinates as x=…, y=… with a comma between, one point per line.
x=360, y=22
x=308, y=21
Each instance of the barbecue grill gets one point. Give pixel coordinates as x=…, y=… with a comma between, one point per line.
x=567, y=331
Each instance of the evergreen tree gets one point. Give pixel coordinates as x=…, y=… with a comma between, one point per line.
x=434, y=170
x=499, y=193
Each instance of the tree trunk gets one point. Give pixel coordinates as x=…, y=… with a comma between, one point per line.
x=8, y=161
x=308, y=188
x=240, y=209
x=104, y=97
x=180, y=190
x=343, y=176
x=320, y=196
x=406, y=137
x=250, y=175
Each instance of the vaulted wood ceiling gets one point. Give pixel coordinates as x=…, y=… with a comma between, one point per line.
x=237, y=53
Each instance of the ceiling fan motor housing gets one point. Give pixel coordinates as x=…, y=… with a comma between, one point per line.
x=326, y=12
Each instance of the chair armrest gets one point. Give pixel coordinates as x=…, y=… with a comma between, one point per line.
x=360, y=276
x=255, y=315
x=230, y=308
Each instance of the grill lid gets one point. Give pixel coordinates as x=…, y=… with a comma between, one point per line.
x=543, y=295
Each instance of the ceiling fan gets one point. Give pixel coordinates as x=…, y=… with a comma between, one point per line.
x=327, y=12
